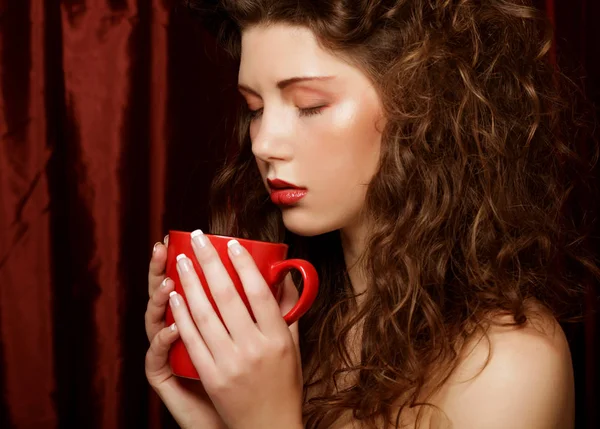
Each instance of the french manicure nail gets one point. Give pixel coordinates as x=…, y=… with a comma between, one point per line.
x=155, y=247
x=234, y=247
x=183, y=263
x=163, y=284
x=166, y=240
x=173, y=327
x=199, y=238
x=174, y=299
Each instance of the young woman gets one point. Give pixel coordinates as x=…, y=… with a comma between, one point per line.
x=434, y=153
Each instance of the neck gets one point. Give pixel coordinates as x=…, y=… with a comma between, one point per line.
x=354, y=242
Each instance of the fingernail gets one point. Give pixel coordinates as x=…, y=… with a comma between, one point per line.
x=173, y=327
x=174, y=299
x=199, y=238
x=155, y=247
x=234, y=247
x=183, y=263
x=163, y=284
x=166, y=240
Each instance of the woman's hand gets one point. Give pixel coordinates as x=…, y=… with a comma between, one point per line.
x=251, y=371
x=186, y=399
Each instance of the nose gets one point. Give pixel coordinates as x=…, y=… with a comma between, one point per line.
x=271, y=141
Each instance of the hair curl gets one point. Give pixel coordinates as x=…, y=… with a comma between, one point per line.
x=469, y=203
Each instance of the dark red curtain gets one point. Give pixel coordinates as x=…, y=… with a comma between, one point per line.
x=113, y=117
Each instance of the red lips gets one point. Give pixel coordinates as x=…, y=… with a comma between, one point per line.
x=284, y=193
x=281, y=184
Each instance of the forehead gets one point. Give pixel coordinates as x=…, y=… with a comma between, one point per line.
x=279, y=51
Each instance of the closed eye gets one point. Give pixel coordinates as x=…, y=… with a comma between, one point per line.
x=308, y=111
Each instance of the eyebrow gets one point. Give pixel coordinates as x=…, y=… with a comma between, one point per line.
x=282, y=84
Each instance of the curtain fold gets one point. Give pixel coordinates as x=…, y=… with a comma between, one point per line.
x=112, y=118
x=157, y=166
x=25, y=273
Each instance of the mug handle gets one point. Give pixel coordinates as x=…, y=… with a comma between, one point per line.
x=310, y=288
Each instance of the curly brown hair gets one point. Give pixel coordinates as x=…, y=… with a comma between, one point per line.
x=478, y=165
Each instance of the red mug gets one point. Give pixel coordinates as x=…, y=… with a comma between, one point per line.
x=271, y=262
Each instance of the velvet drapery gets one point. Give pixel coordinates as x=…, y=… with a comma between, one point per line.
x=113, y=115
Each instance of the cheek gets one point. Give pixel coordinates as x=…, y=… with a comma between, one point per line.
x=349, y=144
x=341, y=176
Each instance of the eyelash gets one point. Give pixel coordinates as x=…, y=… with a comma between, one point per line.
x=309, y=111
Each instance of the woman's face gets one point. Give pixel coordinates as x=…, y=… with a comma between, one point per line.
x=316, y=125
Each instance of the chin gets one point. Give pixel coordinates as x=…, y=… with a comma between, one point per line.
x=306, y=224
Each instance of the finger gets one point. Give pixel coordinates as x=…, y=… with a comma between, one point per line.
x=234, y=313
x=204, y=316
x=156, y=271
x=264, y=305
x=157, y=304
x=200, y=354
x=157, y=368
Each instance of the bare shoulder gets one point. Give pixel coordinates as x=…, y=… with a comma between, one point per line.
x=517, y=377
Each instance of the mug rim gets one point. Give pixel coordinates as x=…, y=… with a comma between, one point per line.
x=246, y=240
